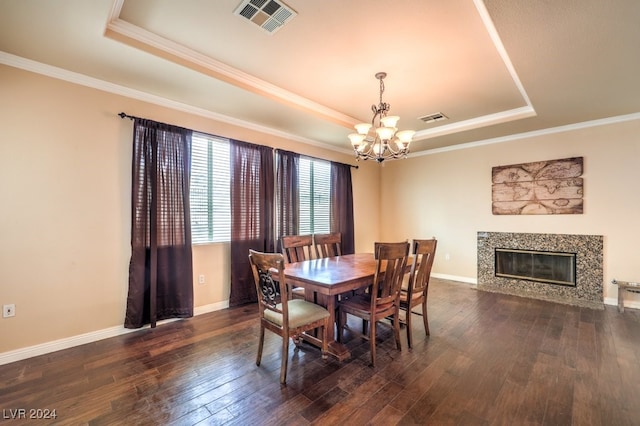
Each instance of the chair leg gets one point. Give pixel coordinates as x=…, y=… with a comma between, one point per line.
x=408, y=321
x=425, y=318
x=325, y=343
x=372, y=341
x=260, y=345
x=396, y=329
x=285, y=358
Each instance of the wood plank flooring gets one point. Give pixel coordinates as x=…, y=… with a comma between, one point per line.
x=490, y=360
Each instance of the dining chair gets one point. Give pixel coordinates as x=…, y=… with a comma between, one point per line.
x=328, y=245
x=417, y=286
x=297, y=248
x=383, y=299
x=279, y=313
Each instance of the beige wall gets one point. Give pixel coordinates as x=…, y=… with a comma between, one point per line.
x=448, y=195
x=65, y=168
x=65, y=165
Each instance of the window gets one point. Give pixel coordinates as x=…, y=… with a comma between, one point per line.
x=210, y=194
x=314, y=182
x=210, y=191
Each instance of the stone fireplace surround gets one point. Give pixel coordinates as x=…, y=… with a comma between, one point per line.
x=588, y=291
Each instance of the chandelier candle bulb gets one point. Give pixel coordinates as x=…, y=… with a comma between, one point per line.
x=363, y=128
x=405, y=136
x=390, y=121
x=356, y=139
x=381, y=139
x=385, y=133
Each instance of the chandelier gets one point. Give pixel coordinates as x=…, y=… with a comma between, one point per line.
x=381, y=139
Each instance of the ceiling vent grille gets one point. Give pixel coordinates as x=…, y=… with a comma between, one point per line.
x=431, y=118
x=270, y=15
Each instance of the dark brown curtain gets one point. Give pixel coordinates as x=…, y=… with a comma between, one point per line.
x=342, y=205
x=252, y=214
x=160, y=270
x=288, y=196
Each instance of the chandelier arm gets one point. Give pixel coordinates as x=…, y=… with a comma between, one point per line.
x=391, y=150
x=376, y=113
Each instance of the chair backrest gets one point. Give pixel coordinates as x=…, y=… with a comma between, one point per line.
x=391, y=261
x=328, y=245
x=268, y=275
x=296, y=248
x=424, y=252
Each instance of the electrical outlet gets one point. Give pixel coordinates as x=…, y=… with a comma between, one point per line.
x=201, y=279
x=447, y=257
x=8, y=310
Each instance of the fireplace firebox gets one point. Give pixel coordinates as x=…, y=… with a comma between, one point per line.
x=534, y=265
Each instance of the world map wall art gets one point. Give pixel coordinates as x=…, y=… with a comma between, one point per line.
x=544, y=187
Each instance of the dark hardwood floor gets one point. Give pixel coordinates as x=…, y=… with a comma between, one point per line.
x=490, y=359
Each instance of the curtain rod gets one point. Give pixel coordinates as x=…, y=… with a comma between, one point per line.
x=131, y=117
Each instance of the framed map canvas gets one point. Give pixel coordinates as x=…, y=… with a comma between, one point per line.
x=544, y=187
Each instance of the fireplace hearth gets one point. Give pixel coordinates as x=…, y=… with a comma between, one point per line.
x=561, y=268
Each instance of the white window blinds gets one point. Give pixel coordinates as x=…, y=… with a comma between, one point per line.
x=314, y=187
x=210, y=191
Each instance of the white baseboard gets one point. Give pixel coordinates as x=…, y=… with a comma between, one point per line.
x=467, y=280
x=205, y=309
x=631, y=304
x=613, y=301
x=93, y=336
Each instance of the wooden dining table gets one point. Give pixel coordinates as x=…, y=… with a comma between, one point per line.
x=330, y=277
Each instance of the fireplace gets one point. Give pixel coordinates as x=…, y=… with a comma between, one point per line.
x=534, y=265
x=521, y=264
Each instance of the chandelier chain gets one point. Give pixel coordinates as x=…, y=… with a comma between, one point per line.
x=382, y=108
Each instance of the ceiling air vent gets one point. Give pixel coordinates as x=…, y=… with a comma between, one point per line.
x=431, y=118
x=270, y=15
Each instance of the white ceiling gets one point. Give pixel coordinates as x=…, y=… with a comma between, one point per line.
x=495, y=68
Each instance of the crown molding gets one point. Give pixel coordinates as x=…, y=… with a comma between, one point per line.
x=135, y=36
x=138, y=37
x=474, y=123
x=533, y=133
x=83, y=80
x=490, y=119
x=497, y=42
x=94, y=83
